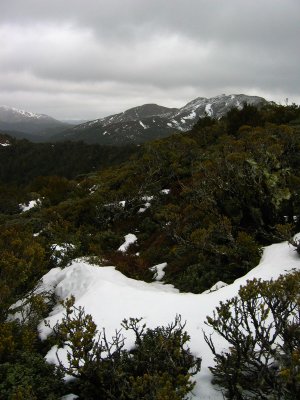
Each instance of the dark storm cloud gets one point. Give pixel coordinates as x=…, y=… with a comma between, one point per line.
x=96, y=57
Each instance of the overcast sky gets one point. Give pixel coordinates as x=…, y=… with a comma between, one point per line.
x=84, y=59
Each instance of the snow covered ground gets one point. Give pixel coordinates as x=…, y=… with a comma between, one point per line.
x=110, y=297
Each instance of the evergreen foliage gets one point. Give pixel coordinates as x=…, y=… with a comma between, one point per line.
x=228, y=192
x=261, y=326
x=233, y=187
x=24, y=373
x=248, y=115
x=22, y=260
x=30, y=377
x=159, y=366
x=23, y=161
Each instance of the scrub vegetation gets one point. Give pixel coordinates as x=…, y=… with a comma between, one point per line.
x=204, y=202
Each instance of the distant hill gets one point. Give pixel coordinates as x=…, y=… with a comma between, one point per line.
x=23, y=123
x=152, y=121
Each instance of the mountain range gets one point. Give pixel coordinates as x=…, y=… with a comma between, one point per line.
x=151, y=121
x=29, y=125
x=133, y=126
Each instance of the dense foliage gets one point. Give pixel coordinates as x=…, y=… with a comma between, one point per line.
x=231, y=188
x=204, y=202
x=262, y=327
x=30, y=377
x=23, y=161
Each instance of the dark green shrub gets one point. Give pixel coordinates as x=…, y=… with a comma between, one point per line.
x=106, y=241
x=261, y=326
x=22, y=264
x=30, y=377
x=159, y=366
x=248, y=115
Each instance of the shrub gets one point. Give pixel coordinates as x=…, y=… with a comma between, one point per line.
x=30, y=377
x=262, y=327
x=159, y=366
x=248, y=115
x=22, y=263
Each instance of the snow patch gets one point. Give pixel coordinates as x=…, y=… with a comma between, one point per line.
x=110, y=297
x=91, y=123
x=147, y=199
x=143, y=125
x=165, y=191
x=209, y=110
x=143, y=209
x=192, y=115
x=69, y=397
x=238, y=105
x=30, y=205
x=129, y=239
x=147, y=204
x=159, y=271
x=216, y=286
x=118, y=204
x=93, y=189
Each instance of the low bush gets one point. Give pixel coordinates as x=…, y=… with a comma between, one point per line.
x=262, y=328
x=30, y=377
x=159, y=366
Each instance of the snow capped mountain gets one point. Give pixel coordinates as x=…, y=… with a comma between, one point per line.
x=13, y=119
x=136, y=125
x=151, y=121
x=215, y=107
x=138, y=113
x=133, y=114
x=11, y=114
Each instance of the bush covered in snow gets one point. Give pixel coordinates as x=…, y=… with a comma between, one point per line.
x=158, y=366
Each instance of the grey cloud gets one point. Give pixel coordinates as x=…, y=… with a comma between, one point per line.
x=105, y=55
x=202, y=18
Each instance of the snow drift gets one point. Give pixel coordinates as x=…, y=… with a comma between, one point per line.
x=110, y=297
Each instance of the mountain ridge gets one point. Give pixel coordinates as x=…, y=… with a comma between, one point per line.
x=26, y=122
x=133, y=126
x=151, y=121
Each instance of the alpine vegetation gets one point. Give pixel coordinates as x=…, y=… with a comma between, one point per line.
x=167, y=270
